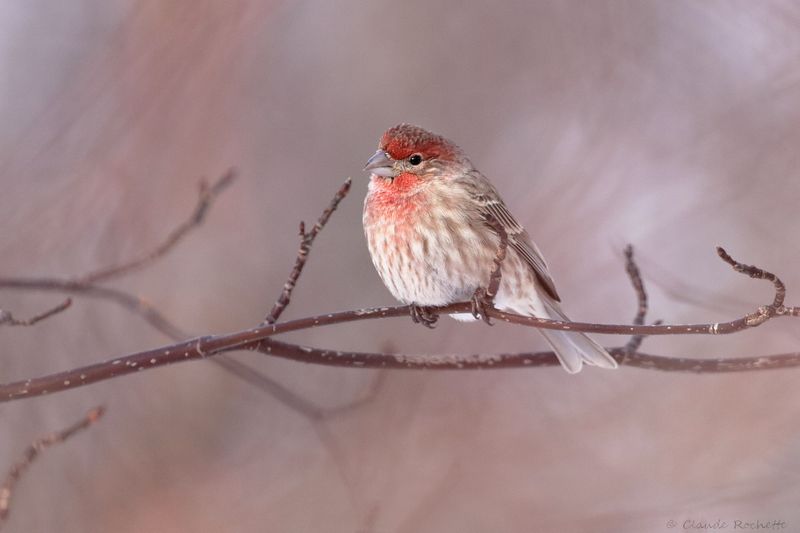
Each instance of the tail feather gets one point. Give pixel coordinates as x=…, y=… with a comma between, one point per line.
x=574, y=348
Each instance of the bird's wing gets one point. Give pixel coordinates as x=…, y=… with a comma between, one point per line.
x=491, y=204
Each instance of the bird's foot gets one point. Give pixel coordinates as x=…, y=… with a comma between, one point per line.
x=481, y=304
x=424, y=315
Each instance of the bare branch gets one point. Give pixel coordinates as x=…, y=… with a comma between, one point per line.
x=306, y=240
x=6, y=318
x=258, y=339
x=206, y=196
x=32, y=453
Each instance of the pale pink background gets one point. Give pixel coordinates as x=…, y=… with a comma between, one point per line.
x=671, y=125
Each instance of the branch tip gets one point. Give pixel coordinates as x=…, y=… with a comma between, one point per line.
x=6, y=318
x=225, y=180
x=777, y=307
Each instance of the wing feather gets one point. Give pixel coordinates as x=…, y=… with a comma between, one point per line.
x=491, y=204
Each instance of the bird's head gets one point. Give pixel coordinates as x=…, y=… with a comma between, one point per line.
x=411, y=150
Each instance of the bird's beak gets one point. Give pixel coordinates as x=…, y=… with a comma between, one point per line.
x=381, y=164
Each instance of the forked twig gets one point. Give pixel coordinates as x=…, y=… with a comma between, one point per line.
x=7, y=319
x=32, y=453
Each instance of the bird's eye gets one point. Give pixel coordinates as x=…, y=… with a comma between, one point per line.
x=415, y=159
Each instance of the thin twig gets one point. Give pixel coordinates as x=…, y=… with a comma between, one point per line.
x=207, y=195
x=776, y=308
x=306, y=240
x=638, y=286
x=32, y=453
x=7, y=319
x=756, y=273
x=635, y=277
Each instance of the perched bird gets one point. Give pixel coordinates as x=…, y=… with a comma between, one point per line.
x=431, y=222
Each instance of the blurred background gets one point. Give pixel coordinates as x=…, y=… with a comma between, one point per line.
x=673, y=126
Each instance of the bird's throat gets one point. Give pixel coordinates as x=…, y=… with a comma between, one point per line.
x=396, y=198
x=404, y=183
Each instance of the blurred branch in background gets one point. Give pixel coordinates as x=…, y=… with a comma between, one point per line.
x=259, y=338
x=32, y=453
x=206, y=197
x=88, y=285
x=7, y=319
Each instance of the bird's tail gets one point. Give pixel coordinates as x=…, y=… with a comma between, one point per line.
x=574, y=348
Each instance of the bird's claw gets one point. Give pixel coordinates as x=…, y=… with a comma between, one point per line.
x=481, y=304
x=423, y=315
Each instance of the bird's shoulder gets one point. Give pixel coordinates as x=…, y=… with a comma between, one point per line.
x=491, y=205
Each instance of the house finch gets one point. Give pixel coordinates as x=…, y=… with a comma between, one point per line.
x=428, y=219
